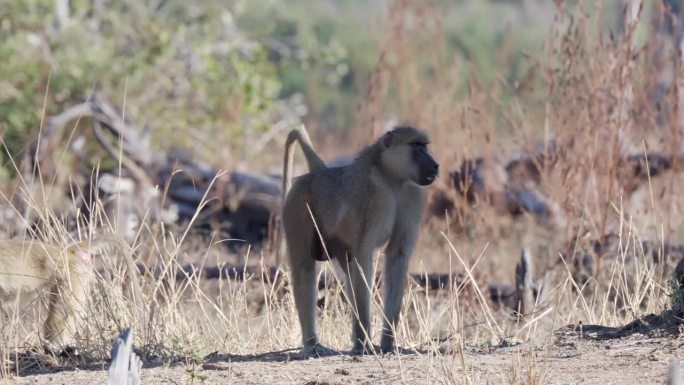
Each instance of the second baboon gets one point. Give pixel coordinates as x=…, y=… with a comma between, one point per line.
x=29, y=268
x=346, y=213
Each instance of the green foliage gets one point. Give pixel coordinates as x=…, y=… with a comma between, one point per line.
x=308, y=41
x=327, y=50
x=211, y=75
x=185, y=70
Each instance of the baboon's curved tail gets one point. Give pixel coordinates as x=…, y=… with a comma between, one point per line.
x=314, y=161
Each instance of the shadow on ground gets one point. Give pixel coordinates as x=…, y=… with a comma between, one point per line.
x=30, y=363
x=666, y=324
x=292, y=355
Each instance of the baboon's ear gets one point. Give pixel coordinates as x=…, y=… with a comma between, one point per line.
x=387, y=140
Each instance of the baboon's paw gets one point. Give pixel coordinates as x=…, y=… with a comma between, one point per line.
x=389, y=349
x=317, y=350
x=363, y=349
x=67, y=352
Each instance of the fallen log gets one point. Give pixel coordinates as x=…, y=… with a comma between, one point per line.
x=238, y=205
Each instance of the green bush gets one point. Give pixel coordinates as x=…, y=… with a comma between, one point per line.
x=183, y=69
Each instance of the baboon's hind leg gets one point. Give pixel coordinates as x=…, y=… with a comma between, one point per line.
x=303, y=270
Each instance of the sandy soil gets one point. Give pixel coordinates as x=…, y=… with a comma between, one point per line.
x=590, y=355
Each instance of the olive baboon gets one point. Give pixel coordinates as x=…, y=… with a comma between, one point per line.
x=346, y=213
x=30, y=267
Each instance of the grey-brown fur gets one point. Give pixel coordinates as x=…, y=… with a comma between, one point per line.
x=313, y=161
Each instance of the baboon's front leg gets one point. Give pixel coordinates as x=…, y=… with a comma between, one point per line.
x=65, y=310
x=397, y=258
x=55, y=329
x=361, y=283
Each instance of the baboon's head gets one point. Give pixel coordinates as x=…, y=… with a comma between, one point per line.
x=405, y=156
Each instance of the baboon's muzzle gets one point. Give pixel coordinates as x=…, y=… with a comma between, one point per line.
x=429, y=168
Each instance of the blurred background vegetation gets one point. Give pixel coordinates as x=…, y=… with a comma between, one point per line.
x=215, y=76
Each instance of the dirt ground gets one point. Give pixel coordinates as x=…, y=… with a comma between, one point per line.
x=590, y=355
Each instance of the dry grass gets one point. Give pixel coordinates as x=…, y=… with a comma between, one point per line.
x=590, y=94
